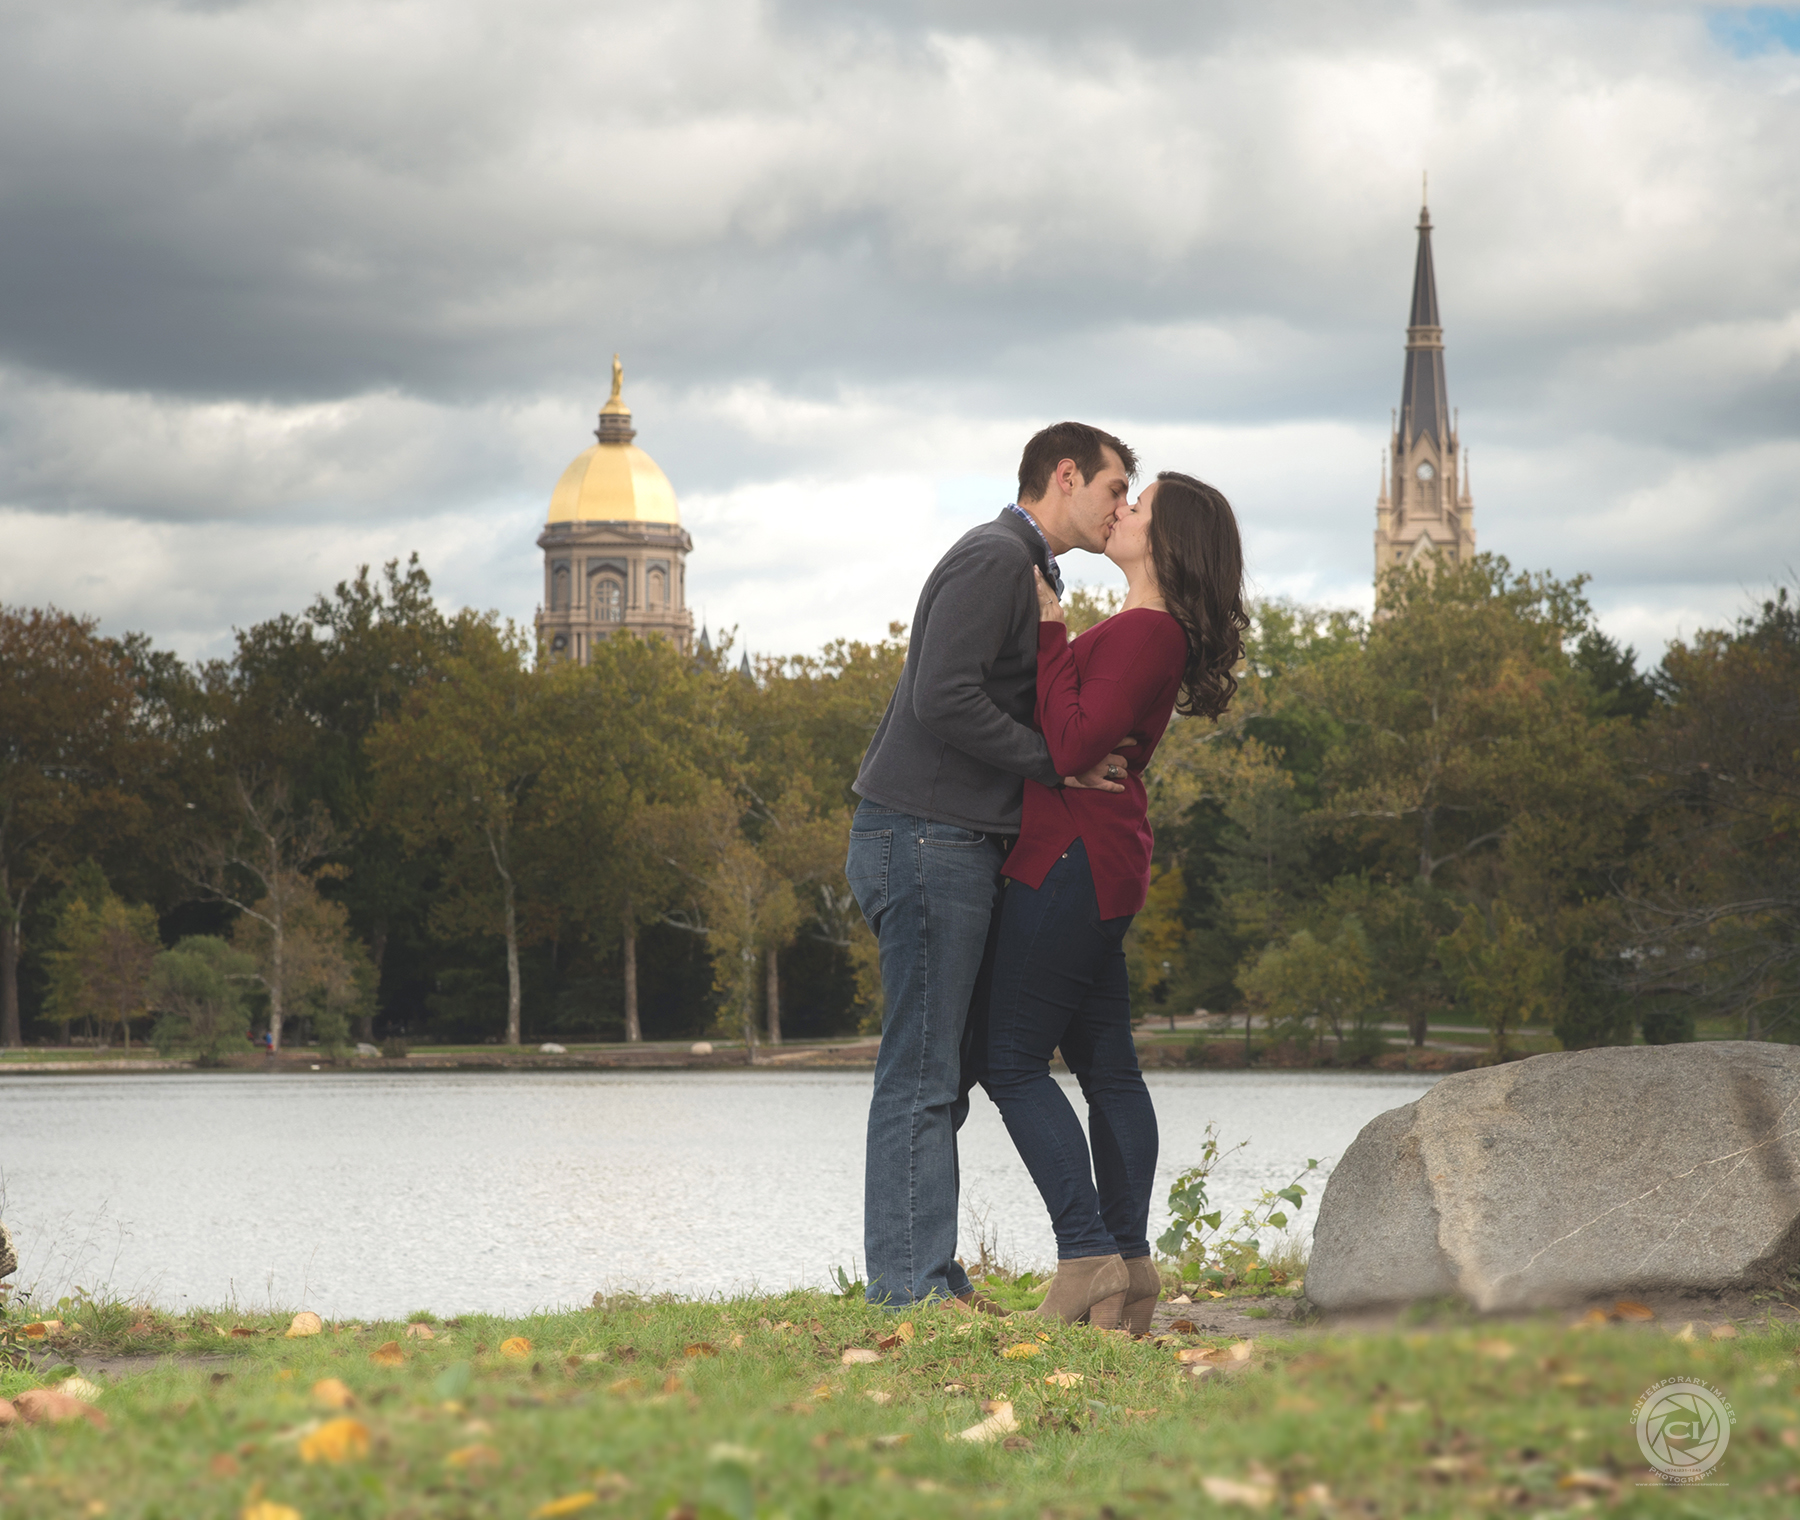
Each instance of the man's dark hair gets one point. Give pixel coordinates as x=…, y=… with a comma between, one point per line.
x=1068, y=440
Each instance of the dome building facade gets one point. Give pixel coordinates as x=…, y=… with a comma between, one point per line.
x=615, y=553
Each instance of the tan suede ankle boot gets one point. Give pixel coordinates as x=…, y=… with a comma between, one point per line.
x=1090, y=1288
x=1141, y=1295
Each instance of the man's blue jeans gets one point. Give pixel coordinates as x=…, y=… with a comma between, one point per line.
x=928, y=890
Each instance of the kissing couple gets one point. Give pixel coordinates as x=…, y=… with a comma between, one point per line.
x=1001, y=849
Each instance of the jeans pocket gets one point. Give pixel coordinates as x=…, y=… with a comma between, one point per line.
x=951, y=834
x=866, y=869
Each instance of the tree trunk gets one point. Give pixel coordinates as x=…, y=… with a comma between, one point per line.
x=774, y=999
x=9, y=983
x=747, y=1004
x=277, y=980
x=1418, y=1028
x=512, y=966
x=633, y=1031
x=377, y=953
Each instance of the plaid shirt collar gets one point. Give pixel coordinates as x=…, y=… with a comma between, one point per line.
x=1054, y=573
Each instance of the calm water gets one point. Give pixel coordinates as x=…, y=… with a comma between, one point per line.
x=375, y=1195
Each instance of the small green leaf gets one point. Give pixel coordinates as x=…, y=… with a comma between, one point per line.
x=1279, y=1221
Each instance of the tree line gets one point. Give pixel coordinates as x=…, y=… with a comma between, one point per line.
x=379, y=821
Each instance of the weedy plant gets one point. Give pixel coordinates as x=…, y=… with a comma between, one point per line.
x=1211, y=1253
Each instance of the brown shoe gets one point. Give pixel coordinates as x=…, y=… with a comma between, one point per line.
x=1141, y=1296
x=977, y=1302
x=1090, y=1288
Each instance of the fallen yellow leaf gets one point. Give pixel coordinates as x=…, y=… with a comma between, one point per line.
x=420, y=1332
x=1019, y=1352
x=857, y=1355
x=332, y=1393
x=1588, y=1481
x=1724, y=1332
x=1257, y=1496
x=1000, y=1422
x=823, y=1391
x=39, y=1329
x=699, y=1348
x=516, y=1347
x=1498, y=1350
x=336, y=1441
x=569, y=1504
x=1061, y=1379
x=1591, y=1318
x=388, y=1354
x=304, y=1323
x=472, y=1456
x=268, y=1509
x=1686, y=1332
x=1627, y=1308
x=625, y=1385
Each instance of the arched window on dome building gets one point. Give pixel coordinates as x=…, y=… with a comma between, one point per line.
x=656, y=589
x=608, y=600
x=559, y=589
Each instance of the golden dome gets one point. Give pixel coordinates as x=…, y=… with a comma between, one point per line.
x=613, y=481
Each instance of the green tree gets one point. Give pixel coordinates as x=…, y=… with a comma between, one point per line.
x=70, y=750
x=1501, y=971
x=100, y=959
x=198, y=991
x=1314, y=986
x=324, y=973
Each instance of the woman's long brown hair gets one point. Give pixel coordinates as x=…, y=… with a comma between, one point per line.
x=1199, y=562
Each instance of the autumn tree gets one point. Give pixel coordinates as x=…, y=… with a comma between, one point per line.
x=99, y=961
x=259, y=859
x=70, y=750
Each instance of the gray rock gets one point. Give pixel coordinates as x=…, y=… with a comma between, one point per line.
x=9, y=1258
x=1547, y=1182
x=363, y=1048
x=551, y=1048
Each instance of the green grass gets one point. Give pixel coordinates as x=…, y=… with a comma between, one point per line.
x=744, y=1408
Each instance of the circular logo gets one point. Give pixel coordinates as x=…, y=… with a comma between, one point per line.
x=1683, y=1427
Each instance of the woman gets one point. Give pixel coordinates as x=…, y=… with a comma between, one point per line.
x=1080, y=871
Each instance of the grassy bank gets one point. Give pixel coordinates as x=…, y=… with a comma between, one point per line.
x=748, y=1408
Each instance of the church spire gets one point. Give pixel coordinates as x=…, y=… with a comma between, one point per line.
x=1424, y=398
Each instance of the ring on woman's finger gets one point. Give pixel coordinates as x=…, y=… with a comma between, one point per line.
x=1112, y=773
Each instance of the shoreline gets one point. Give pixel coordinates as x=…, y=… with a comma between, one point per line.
x=1154, y=1054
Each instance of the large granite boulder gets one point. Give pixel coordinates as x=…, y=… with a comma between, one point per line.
x=1546, y=1182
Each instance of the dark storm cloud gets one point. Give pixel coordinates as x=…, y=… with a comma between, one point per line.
x=367, y=262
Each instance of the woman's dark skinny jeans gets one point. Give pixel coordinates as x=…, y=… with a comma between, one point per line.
x=1059, y=979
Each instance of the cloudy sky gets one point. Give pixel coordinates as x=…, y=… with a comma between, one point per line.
x=287, y=286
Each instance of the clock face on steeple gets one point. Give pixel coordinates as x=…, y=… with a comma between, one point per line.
x=1425, y=472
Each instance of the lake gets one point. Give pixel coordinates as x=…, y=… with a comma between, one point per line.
x=365, y=1195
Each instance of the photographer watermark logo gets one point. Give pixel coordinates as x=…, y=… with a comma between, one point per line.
x=1683, y=1428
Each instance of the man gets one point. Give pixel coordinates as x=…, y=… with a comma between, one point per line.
x=942, y=785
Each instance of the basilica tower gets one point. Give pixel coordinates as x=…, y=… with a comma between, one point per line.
x=615, y=553
x=1424, y=510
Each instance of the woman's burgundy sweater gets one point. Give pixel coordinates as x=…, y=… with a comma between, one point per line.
x=1120, y=677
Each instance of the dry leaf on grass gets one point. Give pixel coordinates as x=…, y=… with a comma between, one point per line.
x=336, y=1441
x=889, y=1443
x=1497, y=1350
x=7, y=1413
x=420, y=1332
x=1587, y=1481
x=303, y=1323
x=472, y=1456
x=45, y=1406
x=902, y=1335
x=1181, y=1298
x=823, y=1391
x=1724, y=1332
x=1627, y=1308
x=1019, y=1352
x=41, y=1329
x=1686, y=1332
x=1234, y=1355
x=879, y=1396
x=610, y=1485
x=859, y=1354
x=223, y=1465
x=698, y=1349
x=268, y=1509
x=388, y=1354
x=1061, y=1379
x=1000, y=1422
x=1592, y=1318
x=79, y=1387
x=332, y=1393
x=1253, y=1495
x=569, y=1504
x=625, y=1385
x=516, y=1347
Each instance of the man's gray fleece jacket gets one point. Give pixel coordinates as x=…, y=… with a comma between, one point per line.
x=956, y=740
